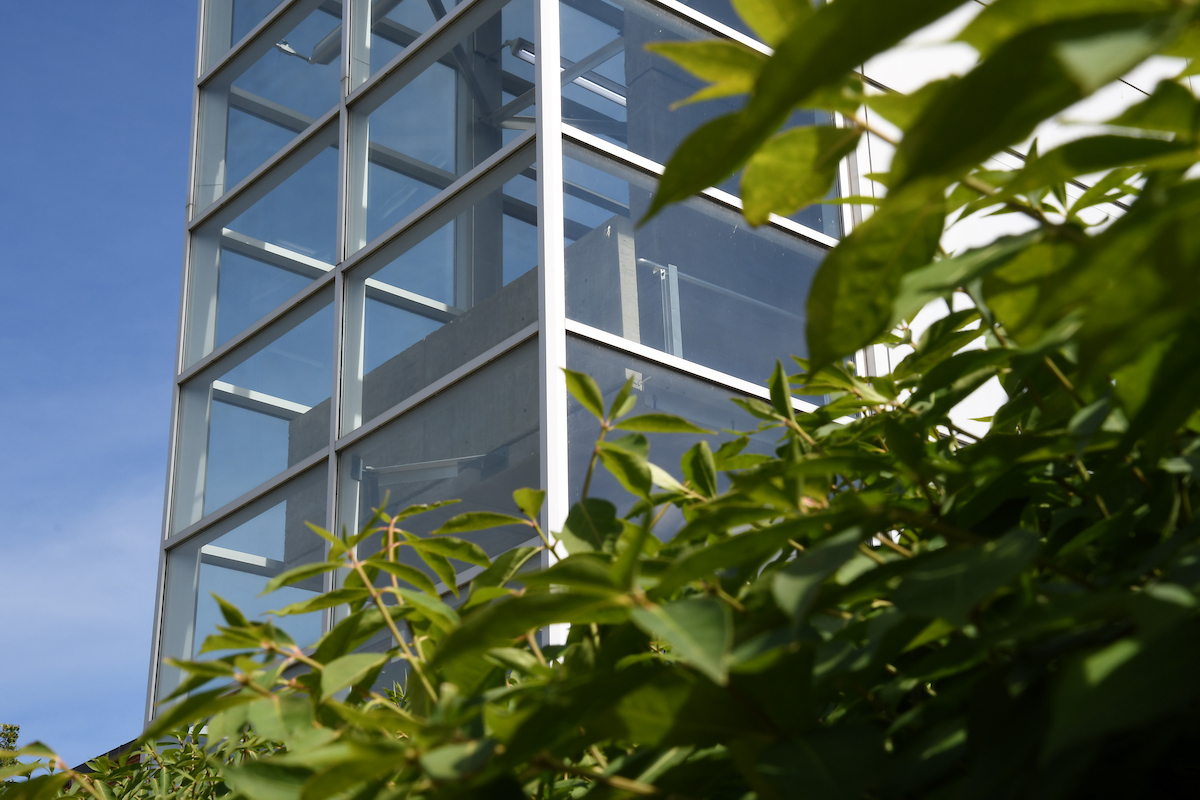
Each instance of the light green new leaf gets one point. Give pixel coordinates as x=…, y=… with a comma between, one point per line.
x=336, y=597
x=659, y=423
x=1004, y=19
x=793, y=170
x=441, y=567
x=699, y=631
x=586, y=392
x=349, y=670
x=817, y=54
x=433, y=609
x=700, y=468
x=771, y=20
x=530, y=501
x=234, y=618
x=1026, y=80
x=903, y=109
x=1097, y=154
x=729, y=67
x=850, y=302
x=504, y=568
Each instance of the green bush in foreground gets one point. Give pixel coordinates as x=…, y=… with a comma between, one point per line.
x=889, y=607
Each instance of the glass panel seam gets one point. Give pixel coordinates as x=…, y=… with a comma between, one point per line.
x=716, y=377
x=246, y=499
x=440, y=385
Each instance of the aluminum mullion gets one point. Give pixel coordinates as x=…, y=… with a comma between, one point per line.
x=436, y=387
x=681, y=365
x=707, y=24
x=237, y=504
x=654, y=170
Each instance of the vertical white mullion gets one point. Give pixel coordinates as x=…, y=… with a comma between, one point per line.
x=552, y=308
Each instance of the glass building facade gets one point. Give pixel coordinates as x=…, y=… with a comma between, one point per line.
x=405, y=217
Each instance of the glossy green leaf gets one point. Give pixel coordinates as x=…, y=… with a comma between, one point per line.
x=700, y=469
x=699, y=631
x=794, y=169
x=452, y=547
x=1003, y=19
x=586, y=392
x=530, y=501
x=300, y=573
x=349, y=670
x=629, y=468
x=267, y=780
x=477, y=521
x=795, y=587
x=504, y=567
x=771, y=20
x=730, y=68
x=592, y=525
x=407, y=573
x=336, y=597
x=659, y=423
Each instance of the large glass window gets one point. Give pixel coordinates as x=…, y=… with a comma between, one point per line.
x=242, y=268
x=616, y=89
x=695, y=282
x=413, y=141
x=458, y=282
x=658, y=389
x=246, y=118
x=235, y=559
x=254, y=414
x=477, y=442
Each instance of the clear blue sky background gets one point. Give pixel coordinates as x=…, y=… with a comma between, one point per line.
x=95, y=101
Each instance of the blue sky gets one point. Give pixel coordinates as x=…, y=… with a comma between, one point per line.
x=93, y=169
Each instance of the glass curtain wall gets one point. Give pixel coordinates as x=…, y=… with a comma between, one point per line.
x=380, y=212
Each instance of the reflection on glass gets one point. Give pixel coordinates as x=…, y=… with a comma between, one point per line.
x=234, y=560
x=247, y=118
x=442, y=294
x=227, y=22
x=244, y=268
x=616, y=89
x=477, y=441
x=658, y=389
x=695, y=282
x=441, y=123
x=395, y=24
x=265, y=409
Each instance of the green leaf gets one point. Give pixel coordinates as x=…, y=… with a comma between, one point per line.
x=850, y=303
x=477, y=521
x=1004, y=19
x=772, y=19
x=195, y=708
x=1097, y=154
x=659, y=423
x=234, y=618
x=1170, y=108
x=336, y=597
x=441, y=567
x=995, y=105
x=793, y=170
x=530, y=501
x=267, y=780
x=586, y=392
x=406, y=572
x=452, y=547
x=504, y=567
x=349, y=670
x=627, y=467
x=700, y=469
x=300, y=573
x=454, y=762
x=950, y=582
x=904, y=109
x=730, y=68
x=699, y=631
x=795, y=587
x=591, y=525
x=814, y=55
x=584, y=572
x=940, y=340
x=433, y=609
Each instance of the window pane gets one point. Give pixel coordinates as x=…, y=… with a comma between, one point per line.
x=395, y=24
x=244, y=268
x=227, y=22
x=247, y=118
x=477, y=441
x=235, y=559
x=695, y=282
x=255, y=414
x=658, y=389
x=444, y=121
x=455, y=285
x=618, y=90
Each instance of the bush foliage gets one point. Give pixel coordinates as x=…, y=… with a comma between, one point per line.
x=889, y=607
